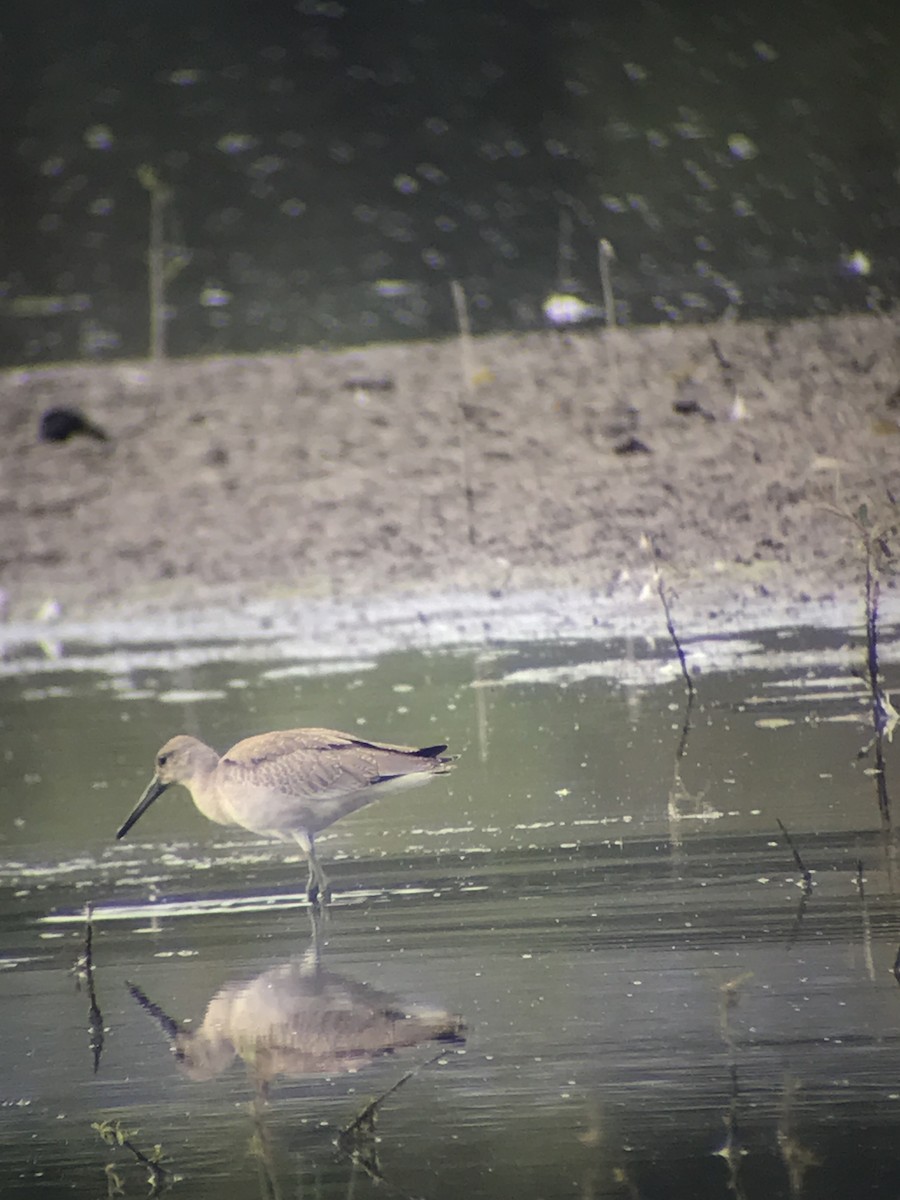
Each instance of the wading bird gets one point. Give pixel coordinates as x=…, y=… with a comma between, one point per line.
x=289, y=784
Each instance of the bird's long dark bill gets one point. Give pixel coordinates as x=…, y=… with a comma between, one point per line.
x=154, y=790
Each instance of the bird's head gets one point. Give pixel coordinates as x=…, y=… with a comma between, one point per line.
x=180, y=760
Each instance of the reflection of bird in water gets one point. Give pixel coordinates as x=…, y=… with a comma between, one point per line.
x=289, y=784
x=59, y=424
x=297, y=1019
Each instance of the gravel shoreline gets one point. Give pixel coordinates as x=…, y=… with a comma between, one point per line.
x=340, y=476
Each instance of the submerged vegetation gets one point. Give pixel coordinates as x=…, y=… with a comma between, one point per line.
x=114, y=1133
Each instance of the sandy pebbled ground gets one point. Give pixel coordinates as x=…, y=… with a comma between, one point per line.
x=343, y=474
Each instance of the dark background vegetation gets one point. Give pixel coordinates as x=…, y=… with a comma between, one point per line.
x=335, y=165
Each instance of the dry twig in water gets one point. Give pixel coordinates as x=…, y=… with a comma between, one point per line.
x=878, y=562
x=801, y=865
x=467, y=369
x=83, y=971
x=650, y=547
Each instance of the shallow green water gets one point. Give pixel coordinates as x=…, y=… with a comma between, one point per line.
x=652, y=1004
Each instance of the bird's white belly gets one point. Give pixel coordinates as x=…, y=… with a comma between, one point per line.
x=277, y=814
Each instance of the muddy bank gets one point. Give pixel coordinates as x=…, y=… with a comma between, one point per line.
x=343, y=475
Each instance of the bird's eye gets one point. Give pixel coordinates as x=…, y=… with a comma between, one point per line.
x=162, y=759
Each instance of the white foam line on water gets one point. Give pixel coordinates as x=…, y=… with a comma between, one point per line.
x=19, y=871
x=341, y=630
x=190, y=696
x=177, y=908
x=130, y=870
x=836, y=682
x=155, y=910
x=419, y=831
x=808, y=698
x=312, y=670
x=720, y=655
x=169, y=656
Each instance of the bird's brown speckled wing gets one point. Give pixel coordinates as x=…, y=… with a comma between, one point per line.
x=321, y=762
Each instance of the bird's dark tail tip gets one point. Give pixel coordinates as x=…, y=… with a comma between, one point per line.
x=430, y=751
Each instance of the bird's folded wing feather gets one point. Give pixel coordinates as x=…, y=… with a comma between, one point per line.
x=312, y=762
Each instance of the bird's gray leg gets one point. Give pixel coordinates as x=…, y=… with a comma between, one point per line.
x=322, y=886
x=318, y=889
x=318, y=921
